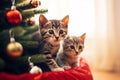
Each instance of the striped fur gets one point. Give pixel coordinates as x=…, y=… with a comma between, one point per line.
x=49, y=37
x=71, y=48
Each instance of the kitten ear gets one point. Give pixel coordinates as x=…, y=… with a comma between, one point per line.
x=65, y=20
x=83, y=36
x=42, y=20
x=66, y=39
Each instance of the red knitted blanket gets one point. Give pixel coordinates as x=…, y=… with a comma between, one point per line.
x=79, y=73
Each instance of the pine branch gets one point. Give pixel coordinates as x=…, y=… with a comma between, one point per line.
x=29, y=44
x=2, y=64
x=37, y=58
x=19, y=1
x=41, y=11
x=25, y=6
x=30, y=13
x=21, y=64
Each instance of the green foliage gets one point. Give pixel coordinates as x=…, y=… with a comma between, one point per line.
x=22, y=34
x=26, y=9
x=30, y=13
x=2, y=64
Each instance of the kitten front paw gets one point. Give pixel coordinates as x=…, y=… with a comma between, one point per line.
x=66, y=67
x=58, y=69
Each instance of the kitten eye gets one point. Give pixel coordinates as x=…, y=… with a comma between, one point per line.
x=61, y=32
x=51, y=32
x=72, y=47
x=80, y=47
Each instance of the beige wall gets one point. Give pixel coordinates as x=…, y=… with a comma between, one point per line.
x=107, y=35
x=117, y=17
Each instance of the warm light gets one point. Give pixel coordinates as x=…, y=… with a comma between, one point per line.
x=81, y=14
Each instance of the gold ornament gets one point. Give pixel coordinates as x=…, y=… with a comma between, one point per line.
x=14, y=49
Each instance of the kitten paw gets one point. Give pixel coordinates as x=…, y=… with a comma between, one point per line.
x=66, y=67
x=58, y=69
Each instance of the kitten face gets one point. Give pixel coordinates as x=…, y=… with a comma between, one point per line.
x=73, y=45
x=53, y=30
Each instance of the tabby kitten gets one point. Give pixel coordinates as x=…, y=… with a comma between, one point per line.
x=71, y=48
x=49, y=37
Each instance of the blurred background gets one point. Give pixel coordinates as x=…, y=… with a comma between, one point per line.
x=100, y=20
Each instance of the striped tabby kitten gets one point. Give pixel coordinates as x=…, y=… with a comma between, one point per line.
x=71, y=48
x=49, y=37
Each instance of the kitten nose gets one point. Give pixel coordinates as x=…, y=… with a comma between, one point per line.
x=76, y=53
x=57, y=38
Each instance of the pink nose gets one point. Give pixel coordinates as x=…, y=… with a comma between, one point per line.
x=57, y=38
x=76, y=53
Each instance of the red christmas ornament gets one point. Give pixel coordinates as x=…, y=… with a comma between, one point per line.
x=13, y=16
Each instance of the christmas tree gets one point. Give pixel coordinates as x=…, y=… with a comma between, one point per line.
x=16, y=27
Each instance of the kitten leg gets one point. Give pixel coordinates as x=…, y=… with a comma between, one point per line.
x=52, y=64
x=55, y=67
x=62, y=63
x=76, y=64
x=67, y=67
